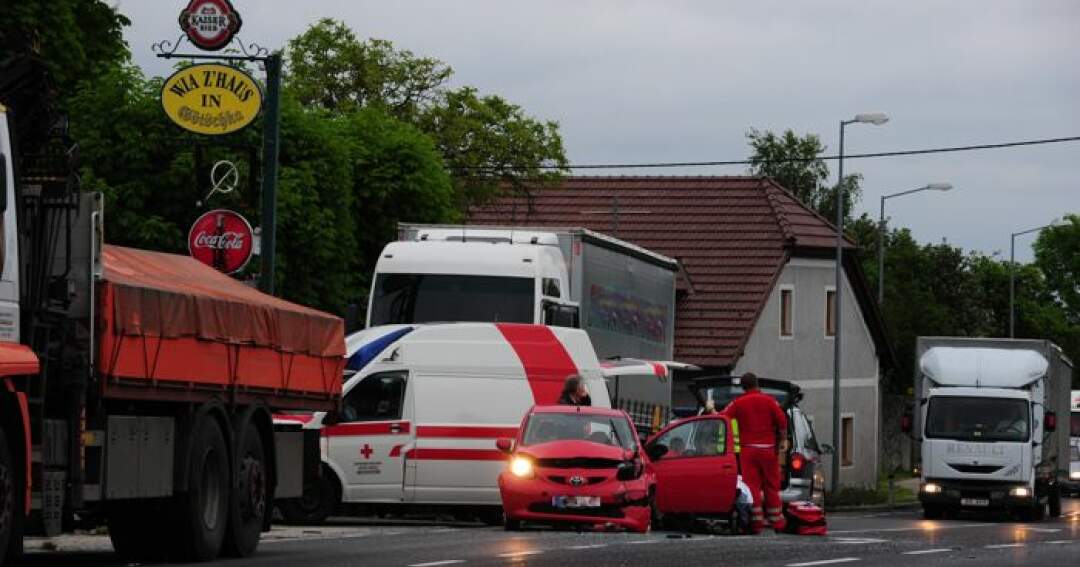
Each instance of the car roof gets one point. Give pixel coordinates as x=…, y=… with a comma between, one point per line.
x=587, y=410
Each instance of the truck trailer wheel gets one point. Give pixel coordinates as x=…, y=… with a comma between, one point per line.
x=7, y=497
x=249, y=502
x=204, y=508
x=320, y=499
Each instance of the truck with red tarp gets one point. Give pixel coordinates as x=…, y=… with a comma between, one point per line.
x=137, y=388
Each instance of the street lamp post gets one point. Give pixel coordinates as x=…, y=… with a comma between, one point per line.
x=877, y=119
x=1012, y=271
x=881, y=232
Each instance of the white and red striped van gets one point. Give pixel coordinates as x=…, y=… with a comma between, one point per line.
x=423, y=406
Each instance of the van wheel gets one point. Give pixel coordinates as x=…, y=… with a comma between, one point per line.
x=1055, y=501
x=204, y=508
x=249, y=503
x=320, y=499
x=136, y=532
x=7, y=497
x=491, y=516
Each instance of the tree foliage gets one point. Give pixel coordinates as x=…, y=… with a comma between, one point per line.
x=795, y=163
x=486, y=142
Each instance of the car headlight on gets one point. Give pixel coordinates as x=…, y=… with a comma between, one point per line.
x=521, y=467
x=931, y=488
x=1075, y=475
x=1020, y=491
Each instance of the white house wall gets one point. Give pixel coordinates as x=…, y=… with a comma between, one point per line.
x=807, y=359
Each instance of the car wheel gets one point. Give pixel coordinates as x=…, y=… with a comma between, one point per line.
x=511, y=524
x=933, y=512
x=321, y=498
x=491, y=516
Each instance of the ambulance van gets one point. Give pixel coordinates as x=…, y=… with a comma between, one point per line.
x=422, y=408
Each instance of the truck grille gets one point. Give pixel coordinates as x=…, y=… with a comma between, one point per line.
x=976, y=469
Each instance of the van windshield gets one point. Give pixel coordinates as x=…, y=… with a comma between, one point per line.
x=606, y=430
x=978, y=419
x=428, y=298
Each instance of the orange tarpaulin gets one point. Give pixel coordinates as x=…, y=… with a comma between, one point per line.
x=171, y=296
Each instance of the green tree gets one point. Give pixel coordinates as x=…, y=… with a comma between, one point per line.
x=795, y=162
x=1057, y=255
x=486, y=142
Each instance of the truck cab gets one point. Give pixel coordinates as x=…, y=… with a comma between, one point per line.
x=988, y=426
x=475, y=275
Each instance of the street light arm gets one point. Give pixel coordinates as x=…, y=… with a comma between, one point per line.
x=1029, y=231
x=908, y=192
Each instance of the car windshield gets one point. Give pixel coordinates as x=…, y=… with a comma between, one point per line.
x=427, y=298
x=606, y=430
x=1074, y=424
x=978, y=419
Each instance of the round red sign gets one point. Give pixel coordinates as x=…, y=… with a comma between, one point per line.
x=221, y=239
x=210, y=24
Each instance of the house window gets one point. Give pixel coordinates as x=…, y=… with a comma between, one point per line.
x=847, y=440
x=830, y=312
x=787, y=294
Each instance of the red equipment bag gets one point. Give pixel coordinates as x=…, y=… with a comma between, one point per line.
x=805, y=518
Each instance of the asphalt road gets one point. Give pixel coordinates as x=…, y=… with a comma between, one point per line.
x=872, y=539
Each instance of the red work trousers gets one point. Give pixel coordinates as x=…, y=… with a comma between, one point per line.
x=761, y=473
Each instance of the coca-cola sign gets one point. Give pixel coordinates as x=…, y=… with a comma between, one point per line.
x=221, y=239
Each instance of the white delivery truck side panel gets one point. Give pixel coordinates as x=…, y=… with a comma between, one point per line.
x=420, y=420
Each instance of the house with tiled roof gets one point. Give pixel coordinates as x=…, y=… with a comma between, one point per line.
x=755, y=289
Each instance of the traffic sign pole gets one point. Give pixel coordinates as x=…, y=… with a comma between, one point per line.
x=271, y=118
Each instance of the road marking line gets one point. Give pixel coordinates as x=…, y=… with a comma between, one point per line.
x=1043, y=530
x=593, y=546
x=434, y=563
x=1005, y=545
x=1059, y=541
x=519, y=554
x=643, y=541
x=824, y=562
x=926, y=551
x=918, y=529
x=857, y=540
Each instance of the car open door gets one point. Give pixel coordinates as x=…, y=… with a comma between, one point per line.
x=697, y=472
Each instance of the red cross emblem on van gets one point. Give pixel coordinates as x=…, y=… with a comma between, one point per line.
x=366, y=451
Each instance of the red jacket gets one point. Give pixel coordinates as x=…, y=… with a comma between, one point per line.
x=760, y=418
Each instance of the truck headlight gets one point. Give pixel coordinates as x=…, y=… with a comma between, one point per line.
x=521, y=467
x=931, y=488
x=1075, y=475
x=1020, y=491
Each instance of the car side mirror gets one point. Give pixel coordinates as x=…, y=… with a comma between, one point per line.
x=504, y=445
x=827, y=449
x=656, y=451
x=332, y=417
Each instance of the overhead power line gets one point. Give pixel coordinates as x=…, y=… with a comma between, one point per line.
x=925, y=151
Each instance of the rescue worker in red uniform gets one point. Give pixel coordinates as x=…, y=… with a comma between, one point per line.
x=762, y=434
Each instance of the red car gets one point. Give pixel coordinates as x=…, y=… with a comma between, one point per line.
x=577, y=465
x=695, y=465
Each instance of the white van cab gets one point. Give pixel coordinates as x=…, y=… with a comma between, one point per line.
x=423, y=408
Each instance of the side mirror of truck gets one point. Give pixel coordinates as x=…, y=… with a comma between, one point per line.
x=504, y=445
x=561, y=315
x=1050, y=421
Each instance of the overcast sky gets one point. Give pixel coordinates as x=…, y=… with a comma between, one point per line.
x=649, y=81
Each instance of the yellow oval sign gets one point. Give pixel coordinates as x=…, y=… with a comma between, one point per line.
x=211, y=99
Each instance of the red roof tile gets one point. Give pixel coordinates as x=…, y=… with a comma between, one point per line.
x=731, y=234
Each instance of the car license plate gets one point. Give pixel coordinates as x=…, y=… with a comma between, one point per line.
x=576, y=501
x=974, y=502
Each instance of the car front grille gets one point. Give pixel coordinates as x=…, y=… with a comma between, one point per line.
x=578, y=463
x=589, y=480
x=604, y=511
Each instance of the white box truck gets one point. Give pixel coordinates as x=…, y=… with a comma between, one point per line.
x=622, y=295
x=986, y=415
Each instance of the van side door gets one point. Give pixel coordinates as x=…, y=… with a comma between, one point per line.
x=698, y=472
x=369, y=442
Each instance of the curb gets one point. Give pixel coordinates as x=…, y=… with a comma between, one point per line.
x=874, y=507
